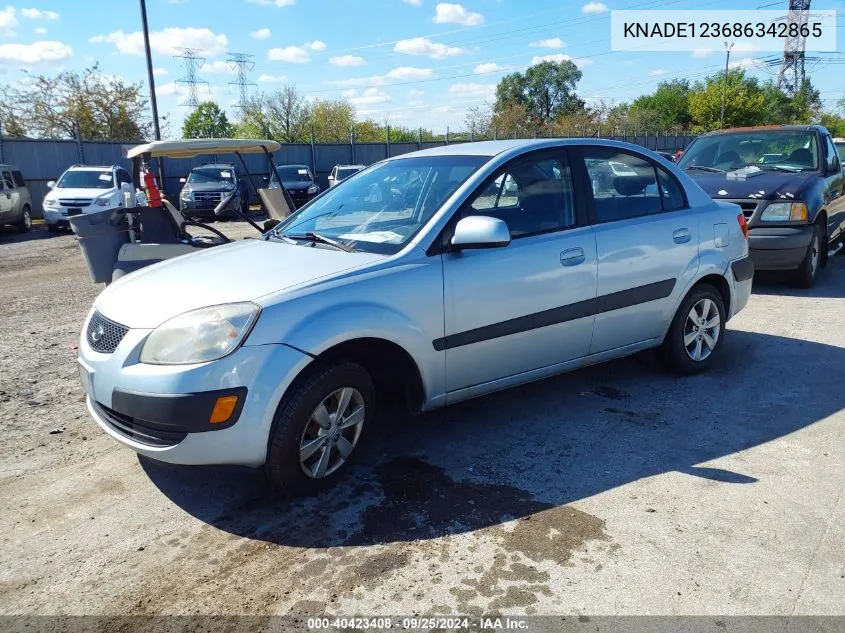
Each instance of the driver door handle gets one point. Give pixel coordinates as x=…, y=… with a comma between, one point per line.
x=681, y=236
x=572, y=256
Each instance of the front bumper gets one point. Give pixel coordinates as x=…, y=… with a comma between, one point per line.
x=779, y=248
x=206, y=210
x=175, y=434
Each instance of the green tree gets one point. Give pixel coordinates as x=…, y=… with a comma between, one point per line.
x=208, y=120
x=332, y=120
x=545, y=91
x=744, y=105
x=666, y=108
x=282, y=115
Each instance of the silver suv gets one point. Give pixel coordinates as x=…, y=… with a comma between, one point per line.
x=439, y=275
x=15, y=201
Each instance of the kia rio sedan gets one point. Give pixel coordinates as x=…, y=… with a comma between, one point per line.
x=436, y=276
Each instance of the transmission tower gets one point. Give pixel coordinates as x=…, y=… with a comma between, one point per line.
x=242, y=64
x=791, y=74
x=192, y=62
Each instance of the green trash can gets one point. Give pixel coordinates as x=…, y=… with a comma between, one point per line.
x=100, y=235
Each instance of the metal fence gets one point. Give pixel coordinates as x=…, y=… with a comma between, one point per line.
x=42, y=160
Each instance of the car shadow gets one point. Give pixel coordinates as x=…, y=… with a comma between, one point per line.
x=10, y=235
x=531, y=448
x=829, y=284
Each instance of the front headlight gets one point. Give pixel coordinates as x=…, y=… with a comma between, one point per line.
x=313, y=189
x=51, y=203
x=186, y=195
x=785, y=212
x=104, y=201
x=200, y=335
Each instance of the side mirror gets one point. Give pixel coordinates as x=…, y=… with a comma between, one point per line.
x=51, y=184
x=183, y=180
x=480, y=231
x=221, y=206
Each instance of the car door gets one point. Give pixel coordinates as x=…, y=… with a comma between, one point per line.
x=833, y=191
x=646, y=243
x=8, y=212
x=524, y=306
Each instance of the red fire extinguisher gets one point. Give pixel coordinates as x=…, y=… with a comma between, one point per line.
x=153, y=194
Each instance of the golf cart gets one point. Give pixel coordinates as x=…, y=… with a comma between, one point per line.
x=119, y=241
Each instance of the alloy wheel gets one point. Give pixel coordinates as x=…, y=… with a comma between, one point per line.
x=702, y=329
x=331, y=433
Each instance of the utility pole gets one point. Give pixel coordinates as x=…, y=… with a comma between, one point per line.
x=150, y=76
x=192, y=61
x=241, y=63
x=728, y=48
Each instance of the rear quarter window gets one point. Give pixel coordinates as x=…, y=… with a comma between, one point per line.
x=17, y=176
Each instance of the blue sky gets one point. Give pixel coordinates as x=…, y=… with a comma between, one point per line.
x=408, y=62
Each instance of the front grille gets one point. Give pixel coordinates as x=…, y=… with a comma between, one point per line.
x=749, y=207
x=103, y=335
x=208, y=197
x=74, y=202
x=139, y=430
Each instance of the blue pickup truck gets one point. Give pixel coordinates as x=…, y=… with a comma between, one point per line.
x=789, y=183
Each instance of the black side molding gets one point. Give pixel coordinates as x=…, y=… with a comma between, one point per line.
x=743, y=269
x=562, y=314
x=188, y=412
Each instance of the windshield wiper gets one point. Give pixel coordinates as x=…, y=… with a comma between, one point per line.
x=714, y=170
x=315, y=238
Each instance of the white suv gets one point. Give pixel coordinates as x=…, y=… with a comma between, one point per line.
x=83, y=189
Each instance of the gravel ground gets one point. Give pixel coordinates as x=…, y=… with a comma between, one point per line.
x=616, y=489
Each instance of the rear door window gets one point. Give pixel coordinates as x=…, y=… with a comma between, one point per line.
x=8, y=182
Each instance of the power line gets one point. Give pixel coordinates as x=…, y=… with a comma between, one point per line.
x=192, y=62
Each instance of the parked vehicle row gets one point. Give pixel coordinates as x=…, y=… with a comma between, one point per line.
x=441, y=275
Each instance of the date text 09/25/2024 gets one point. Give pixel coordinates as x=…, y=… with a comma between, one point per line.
x=418, y=623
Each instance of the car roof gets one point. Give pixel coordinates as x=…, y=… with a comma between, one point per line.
x=295, y=165
x=350, y=166
x=93, y=167
x=767, y=128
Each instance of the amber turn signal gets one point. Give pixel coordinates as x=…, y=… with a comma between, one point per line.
x=223, y=409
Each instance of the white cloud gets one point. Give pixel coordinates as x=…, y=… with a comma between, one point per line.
x=415, y=94
x=317, y=45
x=8, y=21
x=345, y=61
x=427, y=48
x=483, y=69
x=261, y=34
x=560, y=57
x=446, y=13
x=657, y=72
x=46, y=51
x=269, y=79
x=36, y=14
x=473, y=90
x=159, y=72
x=594, y=7
x=702, y=52
x=554, y=42
x=40, y=30
x=165, y=42
x=292, y=54
x=370, y=96
x=164, y=90
x=217, y=67
x=416, y=3
x=402, y=73
x=278, y=3
x=749, y=63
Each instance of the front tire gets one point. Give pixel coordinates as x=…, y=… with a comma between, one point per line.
x=696, y=331
x=808, y=271
x=25, y=223
x=318, y=427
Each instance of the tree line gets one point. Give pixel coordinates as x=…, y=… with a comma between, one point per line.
x=543, y=101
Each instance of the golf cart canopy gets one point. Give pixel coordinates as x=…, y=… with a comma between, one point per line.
x=195, y=147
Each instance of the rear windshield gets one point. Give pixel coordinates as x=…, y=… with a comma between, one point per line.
x=86, y=179
x=346, y=172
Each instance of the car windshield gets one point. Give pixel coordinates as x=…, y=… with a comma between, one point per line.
x=86, y=179
x=383, y=207
x=212, y=175
x=783, y=150
x=295, y=173
x=346, y=172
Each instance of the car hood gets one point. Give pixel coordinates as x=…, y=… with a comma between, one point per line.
x=242, y=271
x=764, y=185
x=75, y=194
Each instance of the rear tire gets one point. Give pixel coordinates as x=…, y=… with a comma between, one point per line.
x=696, y=333
x=309, y=423
x=808, y=271
x=25, y=223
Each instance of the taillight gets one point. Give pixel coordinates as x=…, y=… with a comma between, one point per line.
x=742, y=225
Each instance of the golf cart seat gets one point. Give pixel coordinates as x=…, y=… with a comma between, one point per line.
x=275, y=203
